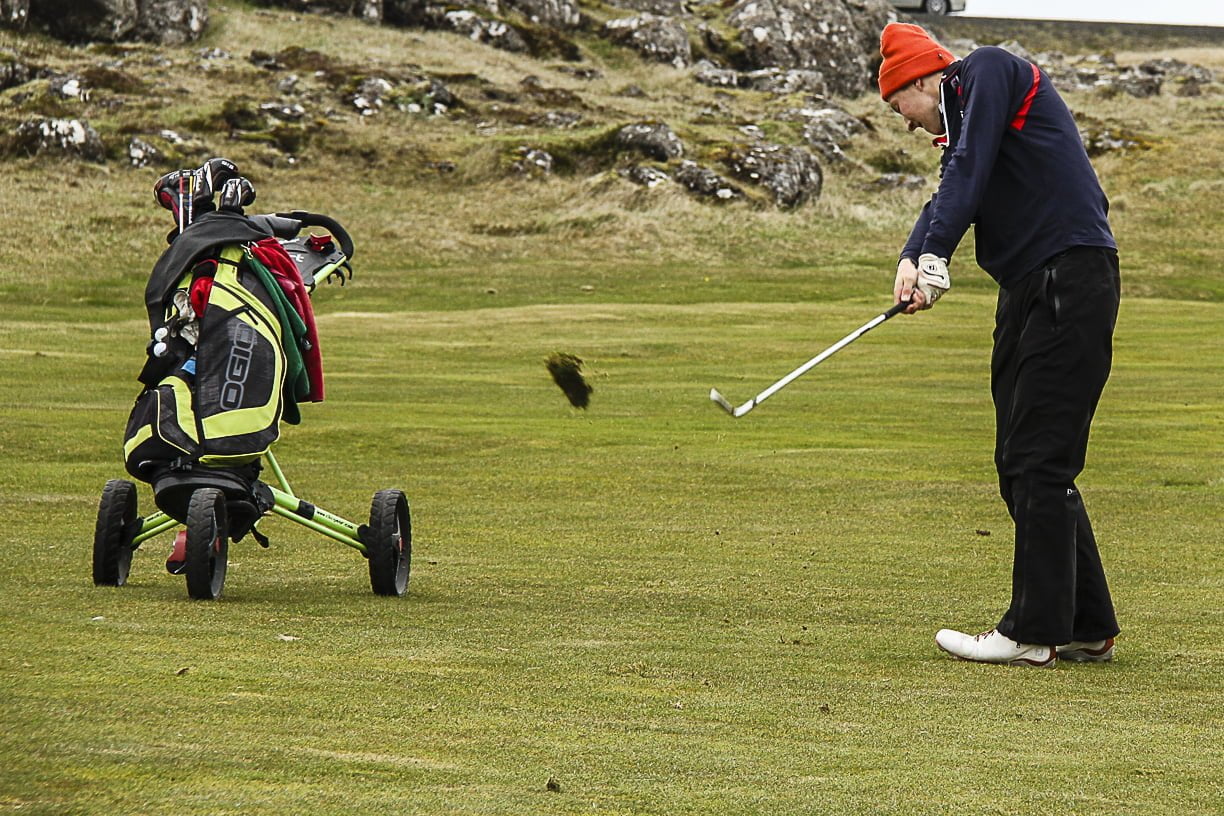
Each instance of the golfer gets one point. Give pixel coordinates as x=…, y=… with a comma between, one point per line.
x=1013, y=166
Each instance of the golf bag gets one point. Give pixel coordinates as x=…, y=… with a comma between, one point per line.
x=233, y=351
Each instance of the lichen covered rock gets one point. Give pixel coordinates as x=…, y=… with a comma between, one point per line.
x=70, y=137
x=660, y=39
x=704, y=182
x=791, y=174
x=838, y=38
x=169, y=22
x=653, y=139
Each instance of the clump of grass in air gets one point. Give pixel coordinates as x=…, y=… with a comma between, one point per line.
x=566, y=371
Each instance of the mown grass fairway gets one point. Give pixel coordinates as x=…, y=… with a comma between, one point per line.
x=667, y=610
x=659, y=608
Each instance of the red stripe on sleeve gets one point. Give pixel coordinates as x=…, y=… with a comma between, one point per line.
x=1022, y=114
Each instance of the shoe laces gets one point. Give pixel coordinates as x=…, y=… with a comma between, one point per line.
x=984, y=635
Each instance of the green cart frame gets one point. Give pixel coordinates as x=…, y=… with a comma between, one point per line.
x=386, y=542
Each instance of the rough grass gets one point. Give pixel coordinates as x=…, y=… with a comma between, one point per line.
x=661, y=608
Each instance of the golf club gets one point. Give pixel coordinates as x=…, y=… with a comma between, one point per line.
x=739, y=411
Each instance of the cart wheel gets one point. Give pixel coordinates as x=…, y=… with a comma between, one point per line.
x=112, y=547
x=207, y=544
x=389, y=543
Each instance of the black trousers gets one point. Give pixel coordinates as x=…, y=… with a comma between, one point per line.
x=1053, y=347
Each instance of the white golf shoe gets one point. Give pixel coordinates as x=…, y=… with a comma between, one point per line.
x=993, y=647
x=1088, y=651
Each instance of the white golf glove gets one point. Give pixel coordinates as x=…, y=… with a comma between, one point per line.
x=933, y=278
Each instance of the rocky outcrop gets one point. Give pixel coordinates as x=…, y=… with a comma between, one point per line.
x=828, y=130
x=838, y=38
x=663, y=8
x=562, y=14
x=1101, y=137
x=14, y=13
x=645, y=175
x=707, y=73
x=301, y=100
x=105, y=20
x=171, y=22
x=70, y=137
x=779, y=81
x=815, y=46
x=370, y=95
x=791, y=174
x=475, y=28
x=1175, y=69
x=705, y=183
x=1102, y=73
x=142, y=154
x=659, y=39
x=168, y=22
x=1137, y=83
x=537, y=27
x=366, y=9
x=1149, y=78
x=532, y=161
x=653, y=139
x=14, y=72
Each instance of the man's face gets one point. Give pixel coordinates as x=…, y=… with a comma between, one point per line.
x=918, y=104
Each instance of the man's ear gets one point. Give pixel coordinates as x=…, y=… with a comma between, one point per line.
x=929, y=83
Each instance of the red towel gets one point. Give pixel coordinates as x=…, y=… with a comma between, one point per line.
x=272, y=255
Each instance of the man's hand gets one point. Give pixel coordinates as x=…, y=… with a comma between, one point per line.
x=933, y=279
x=904, y=289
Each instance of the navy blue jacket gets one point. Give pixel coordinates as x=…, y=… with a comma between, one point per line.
x=1014, y=166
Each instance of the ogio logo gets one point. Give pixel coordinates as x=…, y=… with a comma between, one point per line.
x=238, y=367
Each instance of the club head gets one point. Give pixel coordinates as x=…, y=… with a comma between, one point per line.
x=721, y=401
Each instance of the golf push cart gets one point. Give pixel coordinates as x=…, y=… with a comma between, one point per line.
x=233, y=350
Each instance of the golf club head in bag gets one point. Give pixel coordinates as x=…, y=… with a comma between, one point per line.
x=215, y=172
x=189, y=193
x=236, y=193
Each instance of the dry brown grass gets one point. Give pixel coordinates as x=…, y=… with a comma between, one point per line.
x=1208, y=57
x=380, y=173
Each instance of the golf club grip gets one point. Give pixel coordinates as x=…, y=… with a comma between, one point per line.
x=897, y=309
x=310, y=219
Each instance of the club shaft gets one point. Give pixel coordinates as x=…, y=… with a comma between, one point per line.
x=826, y=354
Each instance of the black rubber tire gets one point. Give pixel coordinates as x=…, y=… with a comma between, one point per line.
x=112, y=547
x=937, y=8
x=207, y=544
x=388, y=542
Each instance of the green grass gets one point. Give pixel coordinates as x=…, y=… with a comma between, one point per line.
x=666, y=610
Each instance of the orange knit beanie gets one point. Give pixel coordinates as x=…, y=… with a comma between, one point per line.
x=909, y=53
